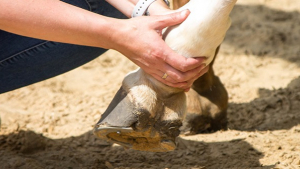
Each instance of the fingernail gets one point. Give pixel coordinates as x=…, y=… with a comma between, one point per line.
x=186, y=90
x=202, y=58
x=185, y=12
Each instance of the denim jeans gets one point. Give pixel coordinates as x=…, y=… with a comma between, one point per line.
x=24, y=61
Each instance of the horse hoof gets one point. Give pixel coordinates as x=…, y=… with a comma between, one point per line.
x=128, y=138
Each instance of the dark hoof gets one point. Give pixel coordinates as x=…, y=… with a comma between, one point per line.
x=133, y=125
x=143, y=116
x=207, y=103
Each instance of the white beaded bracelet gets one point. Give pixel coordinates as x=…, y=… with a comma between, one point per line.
x=142, y=6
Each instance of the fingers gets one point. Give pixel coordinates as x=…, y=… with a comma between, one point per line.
x=183, y=64
x=159, y=58
x=191, y=81
x=185, y=80
x=185, y=76
x=201, y=73
x=177, y=61
x=162, y=21
x=181, y=85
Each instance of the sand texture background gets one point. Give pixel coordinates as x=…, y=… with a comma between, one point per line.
x=48, y=124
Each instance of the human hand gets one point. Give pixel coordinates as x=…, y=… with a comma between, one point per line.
x=140, y=40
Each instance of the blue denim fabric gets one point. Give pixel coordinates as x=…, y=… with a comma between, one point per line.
x=24, y=61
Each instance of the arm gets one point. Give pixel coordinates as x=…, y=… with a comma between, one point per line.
x=57, y=21
x=61, y=22
x=142, y=43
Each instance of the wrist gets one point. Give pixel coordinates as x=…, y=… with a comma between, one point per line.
x=108, y=29
x=121, y=38
x=159, y=7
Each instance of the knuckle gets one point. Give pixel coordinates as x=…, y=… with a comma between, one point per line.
x=184, y=67
x=174, y=17
x=180, y=78
x=157, y=53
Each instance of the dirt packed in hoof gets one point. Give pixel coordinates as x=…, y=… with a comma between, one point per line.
x=49, y=125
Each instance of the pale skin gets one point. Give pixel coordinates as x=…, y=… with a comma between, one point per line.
x=57, y=21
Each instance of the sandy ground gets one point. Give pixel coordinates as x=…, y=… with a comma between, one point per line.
x=48, y=125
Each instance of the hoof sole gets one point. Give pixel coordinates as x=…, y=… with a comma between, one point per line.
x=128, y=138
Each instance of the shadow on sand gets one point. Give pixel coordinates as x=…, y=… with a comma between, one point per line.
x=271, y=33
x=278, y=109
x=273, y=110
x=261, y=31
x=26, y=149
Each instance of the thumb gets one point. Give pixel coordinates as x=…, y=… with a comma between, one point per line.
x=163, y=21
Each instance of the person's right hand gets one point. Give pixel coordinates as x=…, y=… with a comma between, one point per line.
x=141, y=41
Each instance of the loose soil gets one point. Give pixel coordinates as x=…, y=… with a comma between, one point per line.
x=48, y=124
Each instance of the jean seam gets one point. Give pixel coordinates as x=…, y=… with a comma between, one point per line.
x=23, y=51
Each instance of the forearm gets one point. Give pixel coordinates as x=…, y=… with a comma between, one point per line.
x=57, y=21
x=126, y=6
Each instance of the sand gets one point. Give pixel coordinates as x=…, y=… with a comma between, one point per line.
x=48, y=124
